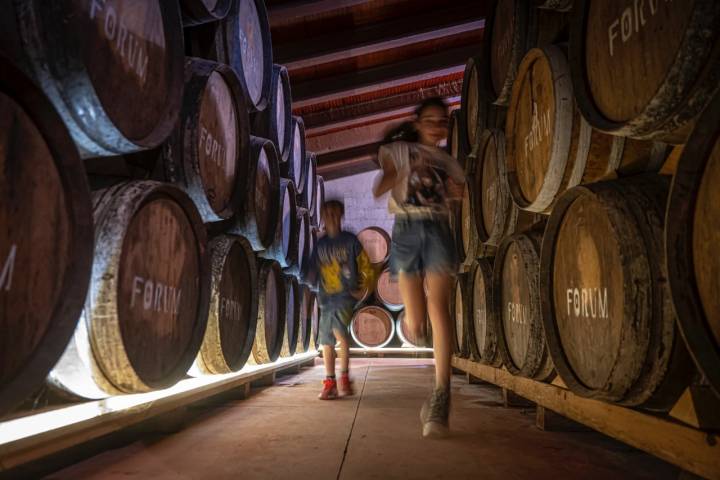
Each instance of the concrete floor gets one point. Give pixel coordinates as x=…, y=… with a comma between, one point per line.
x=285, y=432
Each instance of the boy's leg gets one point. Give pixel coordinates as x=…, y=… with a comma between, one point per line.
x=327, y=340
x=329, y=360
x=344, y=353
x=439, y=286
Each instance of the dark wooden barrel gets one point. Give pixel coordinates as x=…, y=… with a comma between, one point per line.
x=113, y=69
x=310, y=192
x=470, y=248
x=460, y=309
x=513, y=27
x=270, y=330
x=549, y=147
x=492, y=206
x=372, y=327
x=319, y=201
x=261, y=206
x=516, y=305
x=314, y=319
x=284, y=247
x=690, y=236
x=305, y=328
x=376, y=243
x=276, y=121
x=648, y=70
x=303, y=246
x=558, y=5
x=230, y=333
x=606, y=305
x=147, y=309
x=419, y=339
x=241, y=40
x=296, y=166
x=196, y=12
x=293, y=304
x=482, y=337
x=475, y=108
x=388, y=291
x=45, y=213
x=208, y=152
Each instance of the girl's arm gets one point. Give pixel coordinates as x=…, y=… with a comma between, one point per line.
x=387, y=177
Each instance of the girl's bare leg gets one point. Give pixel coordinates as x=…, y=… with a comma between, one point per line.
x=438, y=304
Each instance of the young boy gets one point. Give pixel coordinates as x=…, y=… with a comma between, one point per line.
x=344, y=272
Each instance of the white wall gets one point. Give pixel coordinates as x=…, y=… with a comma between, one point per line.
x=361, y=208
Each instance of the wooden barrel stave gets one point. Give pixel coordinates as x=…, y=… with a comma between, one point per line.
x=372, y=327
x=276, y=122
x=45, y=211
x=319, y=201
x=461, y=307
x=296, y=168
x=691, y=232
x=196, y=12
x=516, y=304
x=233, y=302
x=636, y=355
x=79, y=59
x=664, y=70
x=293, y=303
x=270, y=329
x=284, y=248
x=208, y=150
x=310, y=193
x=260, y=208
x=127, y=347
x=482, y=329
x=314, y=319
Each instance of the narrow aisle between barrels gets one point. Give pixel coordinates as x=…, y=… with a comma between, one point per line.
x=283, y=431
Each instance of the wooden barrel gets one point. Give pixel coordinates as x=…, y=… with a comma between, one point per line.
x=296, y=166
x=292, y=316
x=376, y=243
x=208, y=150
x=549, y=147
x=284, y=247
x=516, y=305
x=482, y=337
x=305, y=327
x=558, y=5
x=513, y=27
x=319, y=201
x=276, y=121
x=454, y=146
x=112, y=69
x=606, y=305
x=303, y=246
x=314, y=319
x=691, y=231
x=270, y=329
x=492, y=207
x=648, y=70
x=230, y=333
x=471, y=248
x=261, y=206
x=310, y=192
x=419, y=339
x=196, y=12
x=460, y=309
x=242, y=40
x=388, y=291
x=147, y=309
x=475, y=109
x=372, y=327
x=45, y=213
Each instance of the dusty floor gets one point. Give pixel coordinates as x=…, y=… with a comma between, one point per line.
x=285, y=432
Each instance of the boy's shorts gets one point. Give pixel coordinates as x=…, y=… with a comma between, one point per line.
x=422, y=245
x=334, y=318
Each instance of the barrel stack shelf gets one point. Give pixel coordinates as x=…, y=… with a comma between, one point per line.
x=588, y=131
x=160, y=208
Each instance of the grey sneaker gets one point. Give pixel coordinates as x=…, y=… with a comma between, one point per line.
x=434, y=414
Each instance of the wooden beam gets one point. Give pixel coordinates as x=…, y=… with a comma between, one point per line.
x=688, y=448
x=347, y=168
x=371, y=37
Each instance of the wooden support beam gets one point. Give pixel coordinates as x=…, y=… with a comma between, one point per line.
x=348, y=167
x=264, y=381
x=690, y=449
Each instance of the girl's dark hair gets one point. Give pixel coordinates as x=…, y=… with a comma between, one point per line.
x=405, y=132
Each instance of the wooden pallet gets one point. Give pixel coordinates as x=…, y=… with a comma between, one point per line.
x=682, y=444
x=30, y=438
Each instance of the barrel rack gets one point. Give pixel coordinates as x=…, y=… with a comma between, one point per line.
x=30, y=438
x=682, y=437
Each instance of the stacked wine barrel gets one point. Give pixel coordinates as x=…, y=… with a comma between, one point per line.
x=200, y=205
x=588, y=132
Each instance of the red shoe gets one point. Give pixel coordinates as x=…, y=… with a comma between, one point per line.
x=345, y=387
x=329, y=390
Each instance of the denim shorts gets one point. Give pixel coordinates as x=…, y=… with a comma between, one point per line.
x=334, y=318
x=422, y=245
